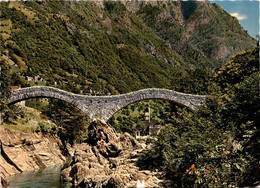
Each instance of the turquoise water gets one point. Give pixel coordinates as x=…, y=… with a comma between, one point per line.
x=45, y=178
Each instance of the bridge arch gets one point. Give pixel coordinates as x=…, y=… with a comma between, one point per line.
x=120, y=101
x=44, y=92
x=114, y=112
x=104, y=107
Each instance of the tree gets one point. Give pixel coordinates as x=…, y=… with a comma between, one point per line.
x=5, y=81
x=72, y=123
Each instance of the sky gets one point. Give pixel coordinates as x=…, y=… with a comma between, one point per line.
x=246, y=11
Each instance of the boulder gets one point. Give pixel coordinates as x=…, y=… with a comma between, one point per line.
x=107, y=140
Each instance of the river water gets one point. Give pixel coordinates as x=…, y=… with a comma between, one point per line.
x=46, y=178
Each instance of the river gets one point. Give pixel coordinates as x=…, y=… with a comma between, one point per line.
x=46, y=178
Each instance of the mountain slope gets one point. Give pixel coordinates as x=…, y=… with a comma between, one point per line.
x=85, y=43
x=202, y=33
x=114, y=47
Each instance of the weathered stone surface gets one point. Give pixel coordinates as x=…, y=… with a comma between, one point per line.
x=86, y=170
x=103, y=107
x=107, y=142
x=22, y=152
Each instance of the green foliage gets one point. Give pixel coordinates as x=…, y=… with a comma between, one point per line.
x=241, y=66
x=18, y=80
x=71, y=45
x=131, y=118
x=45, y=128
x=61, y=42
x=37, y=103
x=196, y=81
x=12, y=112
x=188, y=8
x=219, y=145
x=72, y=124
x=149, y=11
x=5, y=82
x=28, y=120
x=115, y=7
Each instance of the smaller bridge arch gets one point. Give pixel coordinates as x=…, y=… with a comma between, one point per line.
x=45, y=92
x=104, y=107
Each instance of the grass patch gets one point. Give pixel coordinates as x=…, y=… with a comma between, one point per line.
x=31, y=122
x=9, y=42
x=28, y=13
x=5, y=36
x=7, y=60
x=6, y=26
x=28, y=123
x=73, y=75
x=20, y=62
x=5, y=29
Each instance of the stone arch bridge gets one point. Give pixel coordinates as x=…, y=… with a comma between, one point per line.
x=104, y=107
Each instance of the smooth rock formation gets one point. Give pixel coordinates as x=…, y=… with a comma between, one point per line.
x=22, y=152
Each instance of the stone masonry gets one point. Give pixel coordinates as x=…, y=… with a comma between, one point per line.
x=104, y=107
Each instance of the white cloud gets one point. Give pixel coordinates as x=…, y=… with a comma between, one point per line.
x=239, y=16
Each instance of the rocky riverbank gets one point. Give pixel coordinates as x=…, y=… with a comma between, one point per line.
x=108, y=160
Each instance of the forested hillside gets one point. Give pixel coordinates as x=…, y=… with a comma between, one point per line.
x=102, y=48
x=84, y=45
x=116, y=47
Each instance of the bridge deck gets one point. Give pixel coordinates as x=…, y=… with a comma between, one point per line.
x=103, y=107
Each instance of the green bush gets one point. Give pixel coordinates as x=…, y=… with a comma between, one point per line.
x=45, y=127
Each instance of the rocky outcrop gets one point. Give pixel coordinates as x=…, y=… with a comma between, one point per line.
x=22, y=152
x=197, y=30
x=107, y=160
x=108, y=142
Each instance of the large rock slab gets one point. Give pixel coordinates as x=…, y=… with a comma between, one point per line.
x=22, y=152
